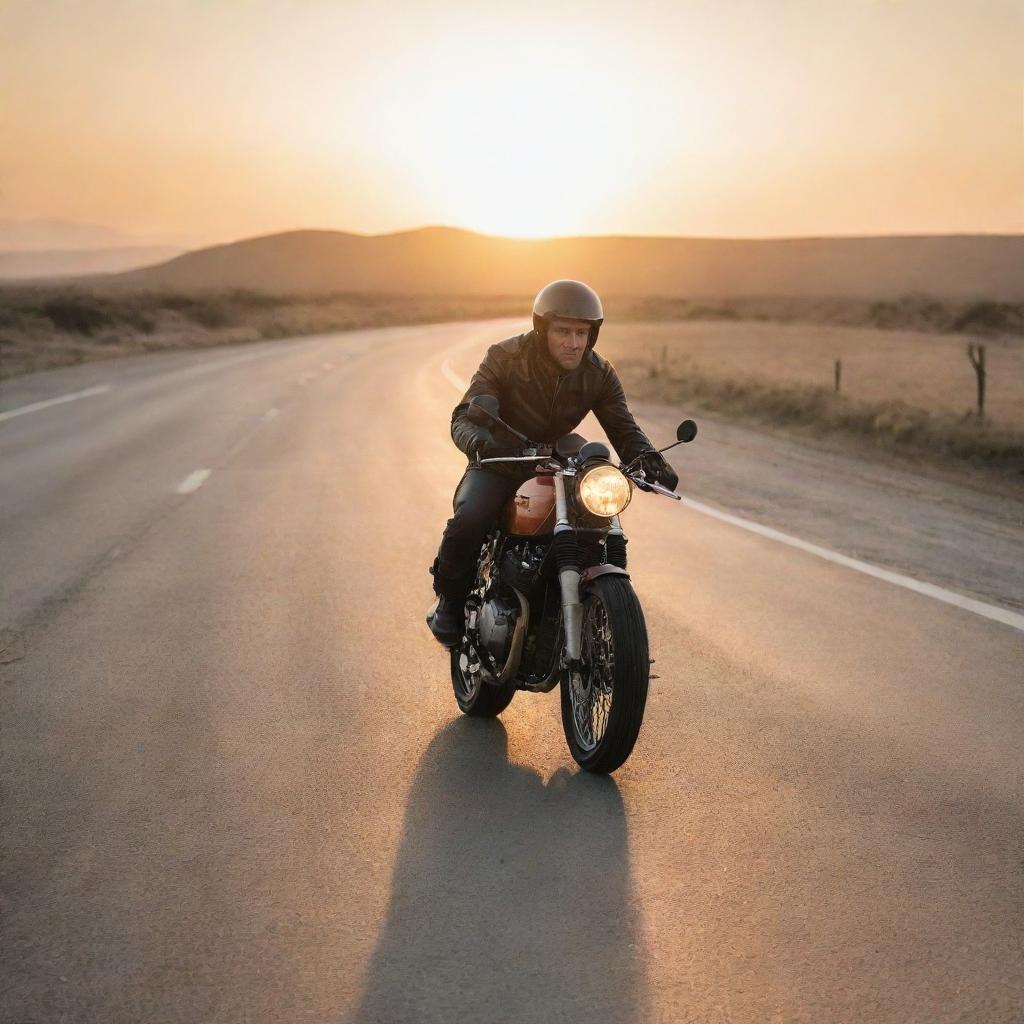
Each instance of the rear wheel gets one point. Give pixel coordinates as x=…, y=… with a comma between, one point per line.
x=603, y=705
x=476, y=697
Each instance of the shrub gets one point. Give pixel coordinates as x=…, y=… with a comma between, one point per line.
x=988, y=317
x=205, y=311
x=78, y=314
x=818, y=410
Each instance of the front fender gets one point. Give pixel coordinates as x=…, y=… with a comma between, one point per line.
x=589, y=575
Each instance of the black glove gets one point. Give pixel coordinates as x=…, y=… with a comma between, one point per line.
x=656, y=468
x=482, y=443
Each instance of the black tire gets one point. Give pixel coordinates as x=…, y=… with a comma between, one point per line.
x=610, y=600
x=475, y=697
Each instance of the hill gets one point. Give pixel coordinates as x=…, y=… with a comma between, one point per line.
x=448, y=261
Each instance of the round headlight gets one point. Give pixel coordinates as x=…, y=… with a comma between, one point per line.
x=604, y=491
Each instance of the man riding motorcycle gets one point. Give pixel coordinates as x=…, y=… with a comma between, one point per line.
x=545, y=381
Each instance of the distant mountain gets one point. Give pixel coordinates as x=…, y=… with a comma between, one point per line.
x=21, y=266
x=447, y=261
x=54, y=235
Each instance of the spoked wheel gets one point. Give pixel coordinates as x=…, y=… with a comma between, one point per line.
x=475, y=696
x=603, y=705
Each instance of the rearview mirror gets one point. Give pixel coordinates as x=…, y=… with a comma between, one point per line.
x=686, y=431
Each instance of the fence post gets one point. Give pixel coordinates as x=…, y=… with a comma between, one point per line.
x=839, y=374
x=976, y=354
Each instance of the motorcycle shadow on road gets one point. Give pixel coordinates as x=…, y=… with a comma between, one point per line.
x=511, y=897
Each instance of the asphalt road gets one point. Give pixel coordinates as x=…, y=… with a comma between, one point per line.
x=236, y=786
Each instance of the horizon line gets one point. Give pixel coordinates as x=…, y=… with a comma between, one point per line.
x=618, y=235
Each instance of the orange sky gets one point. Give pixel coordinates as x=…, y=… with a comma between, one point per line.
x=202, y=120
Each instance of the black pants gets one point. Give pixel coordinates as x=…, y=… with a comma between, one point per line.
x=477, y=502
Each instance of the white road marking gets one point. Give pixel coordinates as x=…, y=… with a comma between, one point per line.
x=194, y=481
x=988, y=611
x=60, y=400
x=456, y=381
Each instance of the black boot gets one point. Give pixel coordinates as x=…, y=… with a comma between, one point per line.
x=446, y=620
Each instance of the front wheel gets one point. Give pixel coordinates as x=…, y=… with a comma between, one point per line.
x=603, y=705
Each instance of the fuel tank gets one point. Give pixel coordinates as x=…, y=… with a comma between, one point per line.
x=532, y=510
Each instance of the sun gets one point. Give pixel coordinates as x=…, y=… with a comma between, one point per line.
x=530, y=145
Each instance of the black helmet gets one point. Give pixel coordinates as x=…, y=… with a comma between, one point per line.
x=571, y=300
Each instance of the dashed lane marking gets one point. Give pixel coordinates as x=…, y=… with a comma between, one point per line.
x=194, y=481
x=22, y=410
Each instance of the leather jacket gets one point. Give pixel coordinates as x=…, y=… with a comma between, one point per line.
x=544, y=401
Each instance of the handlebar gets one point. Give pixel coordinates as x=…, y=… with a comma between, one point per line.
x=514, y=458
x=650, y=485
x=539, y=453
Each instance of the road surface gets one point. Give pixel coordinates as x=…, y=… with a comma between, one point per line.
x=236, y=786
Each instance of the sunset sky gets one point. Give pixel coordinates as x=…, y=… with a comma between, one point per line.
x=196, y=120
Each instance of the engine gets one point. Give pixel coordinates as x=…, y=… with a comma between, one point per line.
x=521, y=564
x=496, y=624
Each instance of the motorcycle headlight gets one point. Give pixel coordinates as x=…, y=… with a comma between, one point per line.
x=604, y=491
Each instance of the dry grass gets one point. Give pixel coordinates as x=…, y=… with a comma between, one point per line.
x=982, y=317
x=909, y=389
x=928, y=371
x=45, y=327
x=906, y=391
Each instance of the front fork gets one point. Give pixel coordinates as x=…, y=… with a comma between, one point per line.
x=568, y=578
x=569, y=575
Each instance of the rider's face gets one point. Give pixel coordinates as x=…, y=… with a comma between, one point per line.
x=567, y=341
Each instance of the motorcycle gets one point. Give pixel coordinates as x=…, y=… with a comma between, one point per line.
x=553, y=604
